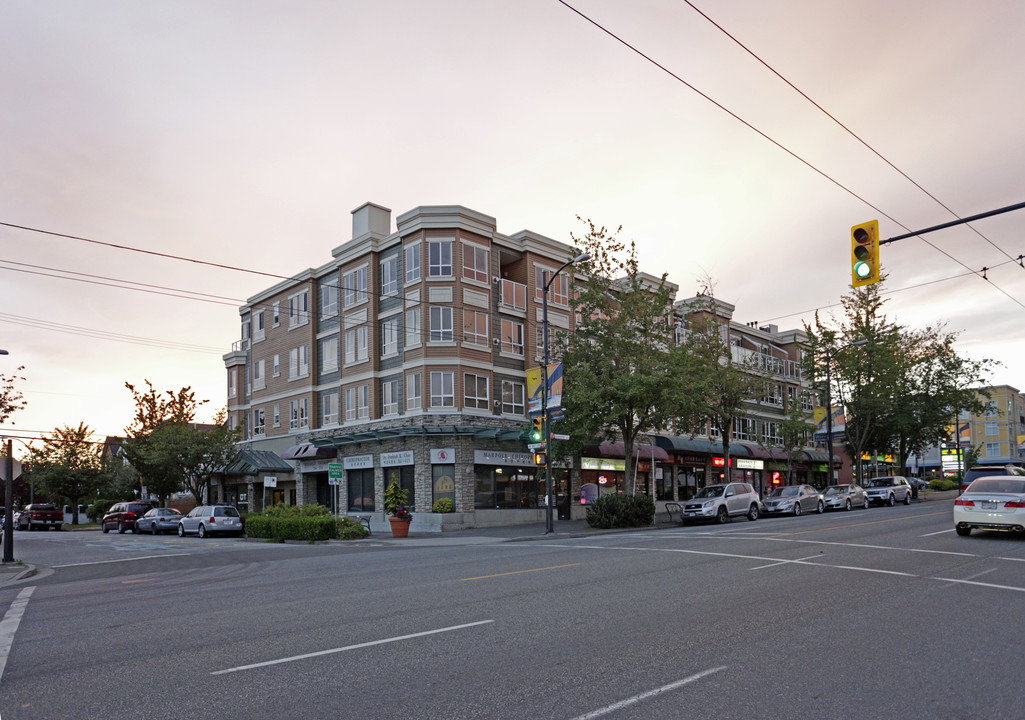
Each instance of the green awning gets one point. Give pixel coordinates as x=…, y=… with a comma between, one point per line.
x=412, y=431
x=254, y=462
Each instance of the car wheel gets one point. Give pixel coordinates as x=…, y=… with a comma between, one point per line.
x=907, y=498
x=722, y=517
x=963, y=531
x=104, y=528
x=797, y=509
x=120, y=529
x=889, y=501
x=752, y=514
x=202, y=530
x=181, y=530
x=821, y=508
x=847, y=505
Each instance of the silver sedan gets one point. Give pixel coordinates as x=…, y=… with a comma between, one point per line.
x=158, y=520
x=845, y=497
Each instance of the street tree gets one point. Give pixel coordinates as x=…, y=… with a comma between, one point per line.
x=795, y=431
x=67, y=466
x=11, y=399
x=624, y=375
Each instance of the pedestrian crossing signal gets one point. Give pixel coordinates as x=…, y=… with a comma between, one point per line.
x=540, y=459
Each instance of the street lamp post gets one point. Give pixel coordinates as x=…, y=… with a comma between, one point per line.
x=547, y=434
x=829, y=403
x=8, y=499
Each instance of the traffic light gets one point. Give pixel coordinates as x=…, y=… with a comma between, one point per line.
x=865, y=254
x=540, y=459
x=537, y=433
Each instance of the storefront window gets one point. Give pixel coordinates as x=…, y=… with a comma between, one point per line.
x=361, y=489
x=443, y=483
x=404, y=476
x=505, y=487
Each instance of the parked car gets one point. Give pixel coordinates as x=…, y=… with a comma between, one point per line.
x=40, y=515
x=978, y=471
x=794, y=499
x=845, y=497
x=207, y=520
x=721, y=502
x=158, y=520
x=888, y=490
x=123, y=516
x=993, y=502
x=920, y=483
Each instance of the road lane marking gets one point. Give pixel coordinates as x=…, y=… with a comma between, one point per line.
x=119, y=560
x=321, y=653
x=9, y=625
x=518, y=572
x=938, y=532
x=783, y=562
x=861, y=524
x=650, y=693
x=980, y=584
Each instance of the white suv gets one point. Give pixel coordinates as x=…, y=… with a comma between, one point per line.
x=721, y=502
x=888, y=490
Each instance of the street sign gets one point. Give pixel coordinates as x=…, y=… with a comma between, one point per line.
x=536, y=446
x=559, y=436
x=335, y=473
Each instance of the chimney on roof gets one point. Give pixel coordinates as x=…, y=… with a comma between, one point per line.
x=371, y=221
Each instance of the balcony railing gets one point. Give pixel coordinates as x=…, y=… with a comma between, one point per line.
x=513, y=295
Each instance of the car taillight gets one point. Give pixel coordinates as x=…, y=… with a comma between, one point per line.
x=959, y=501
x=1015, y=504
x=212, y=520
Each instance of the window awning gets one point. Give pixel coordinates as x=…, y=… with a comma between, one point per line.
x=254, y=462
x=618, y=449
x=688, y=445
x=308, y=451
x=479, y=432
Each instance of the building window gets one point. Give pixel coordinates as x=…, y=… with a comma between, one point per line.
x=276, y=414
x=232, y=384
x=259, y=331
x=356, y=349
x=361, y=490
x=513, y=397
x=259, y=375
x=276, y=314
x=299, y=309
x=329, y=354
x=773, y=394
x=745, y=429
x=475, y=391
x=298, y=363
x=514, y=295
x=414, y=392
x=439, y=258
x=363, y=402
x=992, y=449
x=389, y=337
x=475, y=327
x=512, y=337
x=329, y=408
x=329, y=298
x=558, y=291
x=389, y=397
x=259, y=428
x=992, y=428
x=356, y=403
x=772, y=433
x=441, y=324
x=443, y=484
x=443, y=390
x=475, y=263
x=558, y=341
x=354, y=284
x=412, y=262
x=412, y=328
x=390, y=275
x=276, y=363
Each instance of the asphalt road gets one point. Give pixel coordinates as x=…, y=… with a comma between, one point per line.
x=884, y=613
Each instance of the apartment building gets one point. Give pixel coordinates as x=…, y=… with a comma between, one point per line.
x=999, y=430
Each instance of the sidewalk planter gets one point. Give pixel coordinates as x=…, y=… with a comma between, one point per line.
x=399, y=528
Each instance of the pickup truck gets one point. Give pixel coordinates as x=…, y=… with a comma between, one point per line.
x=40, y=515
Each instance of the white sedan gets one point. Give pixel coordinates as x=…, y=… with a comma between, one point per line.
x=995, y=502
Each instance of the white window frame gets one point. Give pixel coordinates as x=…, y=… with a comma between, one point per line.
x=414, y=391
x=514, y=396
x=232, y=383
x=411, y=257
x=441, y=329
x=259, y=328
x=558, y=291
x=389, y=397
x=276, y=364
x=329, y=292
x=276, y=314
x=276, y=415
x=390, y=337
x=510, y=330
x=472, y=331
x=472, y=397
x=363, y=402
x=992, y=428
x=298, y=363
x=389, y=271
x=259, y=422
x=992, y=449
x=328, y=402
x=475, y=263
x=443, y=394
x=259, y=375
x=413, y=328
x=354, y=287
x=298, y=309
x=440, y=266
x=328, y=354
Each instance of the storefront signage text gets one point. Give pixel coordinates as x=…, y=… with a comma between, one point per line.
x=358, y=462
x=395, y=459
x=602, y=464
x=499, y=457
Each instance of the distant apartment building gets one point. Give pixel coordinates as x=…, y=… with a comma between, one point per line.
x=405, y=357
x=999, y=431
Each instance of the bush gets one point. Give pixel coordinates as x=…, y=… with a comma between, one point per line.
x=351, y=529
x=444, y=505
x=98, y=509
x=943, y=484
x=292, y=522
x=615, y=511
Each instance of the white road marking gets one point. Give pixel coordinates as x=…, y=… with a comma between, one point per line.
x=332, y=651
x=120, y=560
x=651, y=693
x=783, y=562
x=938, y=532
x=9, y=625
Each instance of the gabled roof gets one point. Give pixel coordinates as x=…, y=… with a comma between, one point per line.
x=254, y=462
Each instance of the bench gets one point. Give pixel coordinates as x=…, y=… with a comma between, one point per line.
x=365, y=520
x=674, y=507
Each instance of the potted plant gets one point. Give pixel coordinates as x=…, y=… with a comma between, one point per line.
x=395, y=505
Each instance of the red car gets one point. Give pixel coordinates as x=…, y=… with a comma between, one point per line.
x=124, y=515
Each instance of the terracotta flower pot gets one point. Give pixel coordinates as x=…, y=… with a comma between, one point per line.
x=399, y=528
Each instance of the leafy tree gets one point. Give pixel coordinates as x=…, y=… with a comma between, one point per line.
x=11, y=399
x=795, y=431
x=624, y=375
x=67, y=466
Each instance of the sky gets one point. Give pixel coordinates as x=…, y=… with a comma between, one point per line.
x=242, y=133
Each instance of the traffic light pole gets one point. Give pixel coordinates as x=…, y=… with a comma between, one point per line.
x=952, y=223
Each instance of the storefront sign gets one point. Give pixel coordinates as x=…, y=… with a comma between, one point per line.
x=394, y=459
x=602, y=464
x=698, y=460
x=312, y=466
x=499, y=457
x=270, y=481
x=748, y=464
x=445, y=456
x=358, y=462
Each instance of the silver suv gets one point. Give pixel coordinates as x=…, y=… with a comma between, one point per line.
x=208, y=520
x=721, y=502
x=888, y=490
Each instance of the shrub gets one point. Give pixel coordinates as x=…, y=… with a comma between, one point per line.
x=943, y=484
x=614, y=511
x=351, y=529
x=395, y=498
x=98, y=509
x=444, y=505
x=291, y=527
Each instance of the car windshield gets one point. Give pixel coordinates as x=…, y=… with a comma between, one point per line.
x=225, y=512
x=785, y=492
x=711, y=491
x=167, y=511
x=836, y=490
x=879, y=482
x=1011, y=486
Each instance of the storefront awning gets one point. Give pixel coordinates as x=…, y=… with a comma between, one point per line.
x=644, y=452
x=771, y=453
x=820, y=456
x=308, y=451
x=688, y=445
x=254, y=462
x=376, y=436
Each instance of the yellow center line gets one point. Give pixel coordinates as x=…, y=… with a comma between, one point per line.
x=518, y=572
x=841, y=527
x=129, y=582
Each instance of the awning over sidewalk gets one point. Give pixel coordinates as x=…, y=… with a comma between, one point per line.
x=254, y=462
x=688, y=445
x=644, y=452
x=308, y=451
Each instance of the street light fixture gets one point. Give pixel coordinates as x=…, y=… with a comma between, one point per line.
x=829, y=401
x=546, y=282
